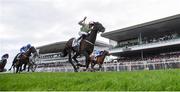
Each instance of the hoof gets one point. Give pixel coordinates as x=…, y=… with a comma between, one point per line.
x=77, y=67
x=84, y=69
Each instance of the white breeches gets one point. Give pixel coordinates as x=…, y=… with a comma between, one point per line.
x=82, y=33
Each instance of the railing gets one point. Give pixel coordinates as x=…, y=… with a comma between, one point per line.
x=129, y=66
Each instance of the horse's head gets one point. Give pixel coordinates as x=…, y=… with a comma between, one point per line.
x=31, y=50
x=98, y=27
x=106, y=53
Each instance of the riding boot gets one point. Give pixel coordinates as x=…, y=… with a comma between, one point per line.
x=79, y=38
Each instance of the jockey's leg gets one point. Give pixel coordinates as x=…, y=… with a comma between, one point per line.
x=80, y=39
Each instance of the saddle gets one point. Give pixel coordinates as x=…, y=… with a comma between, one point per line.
x=21, y=55
x=76, y=44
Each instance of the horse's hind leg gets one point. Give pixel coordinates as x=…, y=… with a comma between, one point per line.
x=75, y=59
x=70, y=60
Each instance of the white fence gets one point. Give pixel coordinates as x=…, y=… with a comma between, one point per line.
x=122, y=66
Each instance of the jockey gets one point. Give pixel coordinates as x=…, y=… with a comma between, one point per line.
x=5, y=57
x=28, y=46
x=24, y=49
x=85, y=29
x=96, y=53
x=3, y=62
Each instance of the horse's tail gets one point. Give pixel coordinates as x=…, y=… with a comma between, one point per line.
x=14, y=61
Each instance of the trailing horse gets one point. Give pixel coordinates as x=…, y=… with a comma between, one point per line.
x=2, y=65
x=99, y=59
x=3, y=62
x=21, y=59
x=86, y=46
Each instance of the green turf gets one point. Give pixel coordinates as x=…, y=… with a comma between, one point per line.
x=93, y=81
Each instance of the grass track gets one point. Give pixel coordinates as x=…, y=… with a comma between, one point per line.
x=158, y=80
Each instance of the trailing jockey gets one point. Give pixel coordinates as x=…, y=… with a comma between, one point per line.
x=5, y=57
x=96, y=53
x=23, y=50
x=84, y=30
x=3, y=62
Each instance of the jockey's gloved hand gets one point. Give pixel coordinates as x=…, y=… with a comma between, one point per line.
x=84, y=18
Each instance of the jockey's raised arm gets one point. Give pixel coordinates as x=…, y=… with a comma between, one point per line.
x=82, y=22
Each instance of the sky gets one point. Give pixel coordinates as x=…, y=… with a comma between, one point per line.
x=41, y=22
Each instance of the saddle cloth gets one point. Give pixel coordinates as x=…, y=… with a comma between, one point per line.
x=75, y=42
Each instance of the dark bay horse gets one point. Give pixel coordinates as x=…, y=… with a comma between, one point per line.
x=86, y=46
x=3, y=62
x=99, y=59
x=19, y=60
x=2, y=65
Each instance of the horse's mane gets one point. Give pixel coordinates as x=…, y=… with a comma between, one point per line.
x=31, y=50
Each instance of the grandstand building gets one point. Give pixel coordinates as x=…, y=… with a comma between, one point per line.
x=50, y=59
x=154, y=45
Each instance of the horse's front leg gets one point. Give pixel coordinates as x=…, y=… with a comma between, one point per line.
x=14, y=69
x=93, y=64
x=29, y=65
x=87, y=59
x=17, y=69
x=100, y=67
x=24, y=67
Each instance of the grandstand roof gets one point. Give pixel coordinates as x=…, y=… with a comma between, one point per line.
x=154, y=27
x=59, y=46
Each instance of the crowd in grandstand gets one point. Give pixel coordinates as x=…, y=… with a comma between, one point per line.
x=160, y=38
x=147, y=40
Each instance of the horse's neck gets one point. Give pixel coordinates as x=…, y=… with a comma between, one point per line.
x=28, y=53
x=103, y=56
x=92, y=36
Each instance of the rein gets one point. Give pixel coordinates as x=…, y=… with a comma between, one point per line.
x=89, y=42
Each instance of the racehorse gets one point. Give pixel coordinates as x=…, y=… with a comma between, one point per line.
x=21, y=59
x=3, y=62
x=86, y=46
x=2, y=65
x=99, y=59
